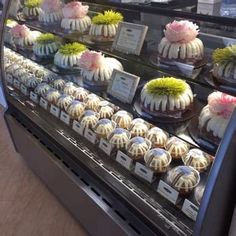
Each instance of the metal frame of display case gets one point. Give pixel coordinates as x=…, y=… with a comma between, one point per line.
x=103, y=200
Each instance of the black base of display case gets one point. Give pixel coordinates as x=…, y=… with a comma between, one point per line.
x=92, y=209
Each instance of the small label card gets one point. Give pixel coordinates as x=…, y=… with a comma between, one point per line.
x=168, y=192
x=24, y=90
x=9, y=78
x=34, y=97
x=105, y=146
x=16, y=84
x=190, y=209
x=130, y=38
x=124, y=160
x=90, y=135
x=55, y=111
x=64, y=117
x=123, y=85
x=43, y=103
x=143, y=172
x=77, y=127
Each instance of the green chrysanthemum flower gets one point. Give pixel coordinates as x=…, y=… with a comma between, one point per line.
x=225, y=55
x=47, y=38
x=32, y=3
x=72, y=48
x=169, y=86
x=107, y=18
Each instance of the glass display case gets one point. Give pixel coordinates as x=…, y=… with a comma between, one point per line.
x=139, y=167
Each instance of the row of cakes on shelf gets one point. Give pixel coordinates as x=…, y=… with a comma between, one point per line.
x=162, y=97
x=180, y=43
x=73, y=16
x=135, y=137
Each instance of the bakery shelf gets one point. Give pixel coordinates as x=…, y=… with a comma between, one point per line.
x=142, y=197
x=204, y=78
x=179, y=129
x=146, y=8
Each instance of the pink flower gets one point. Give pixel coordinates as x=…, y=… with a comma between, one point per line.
x=91, y=60
x=20, y=31
x=50, y=5
x=74, y=10
x=221, y=104
x=181, y=31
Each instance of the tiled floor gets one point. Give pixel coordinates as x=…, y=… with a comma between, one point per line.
x=27, y=208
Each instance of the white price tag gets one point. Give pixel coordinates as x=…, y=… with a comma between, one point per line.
x=43, y=103
x=130, y=38
x=123, y=85
x=77, y=127
x=65, y=117
x=124, y=160
x=90, y=135
x=55, y=111
x=143, y=172
x=105, y=146
x=9, y=78
x=190, y=209
x=168, y=192
x=16, y=84
x=34, y=97
x=24, y=90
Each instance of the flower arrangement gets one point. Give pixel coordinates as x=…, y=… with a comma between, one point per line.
x=47, y=38
x=107, y=18
x=74, y=10
x=32, y=3
x=91, y=60
x=182, y=31
x=168, y=86
x=221, y=104
x=225, y=55
x=72, y=48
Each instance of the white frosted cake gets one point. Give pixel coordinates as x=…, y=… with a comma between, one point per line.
x=167, y=97
x=181, y=43
x=75, y=17
x=22, y=36
x=215, y=117
x=105, y=25
x=31, y=9
x=224, y=65
x=68, y=55
x=50, y=11
x=46, y=45
x=96, y=68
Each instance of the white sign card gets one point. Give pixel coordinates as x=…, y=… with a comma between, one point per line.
x=55, y=111
x=77, y=127
x=124, y=160
x=34, y=97
x=9, y=78
x=130, y=38
x=90, y=135
x=105, y=146
x=24, y=90
x=123, y=85
x=64, y=117
x=190, y=209
x=168, y=192
x=16, y=84
x=43, y=103
x=144, y=172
